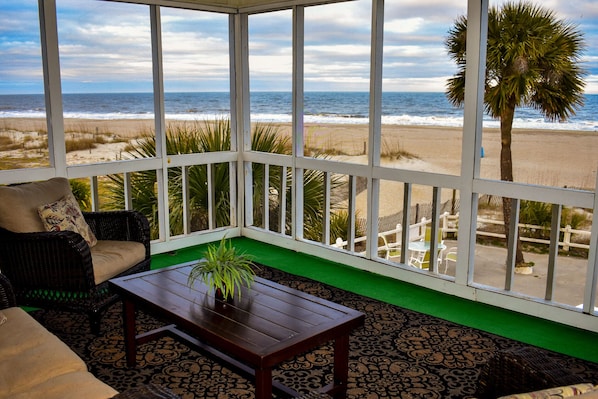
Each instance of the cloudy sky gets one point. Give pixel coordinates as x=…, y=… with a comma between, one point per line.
x=105, y=46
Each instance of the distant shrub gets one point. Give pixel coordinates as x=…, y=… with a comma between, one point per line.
x=79, y=144
x=574, y=218
x=7, y=144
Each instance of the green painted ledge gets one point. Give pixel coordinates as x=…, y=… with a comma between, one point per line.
x=557, y=337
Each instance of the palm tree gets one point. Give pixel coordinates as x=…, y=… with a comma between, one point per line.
x=532, y=60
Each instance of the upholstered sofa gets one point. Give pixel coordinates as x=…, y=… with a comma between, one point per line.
x=34, y=363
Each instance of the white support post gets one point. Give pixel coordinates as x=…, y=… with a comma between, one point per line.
x=127, y=191
x=406, y=221
x=512, y=243
x=589, y=297
x=95, y=196
x=266, y=197
x=211, y=196
x=326, y=221
x=297, y=122
x=160, y=123
x=186, y=199
x=52, y=86
x=240, y=115
x=433, y=266
x=375, y=126
x=477, y=32
x=351, y=211
x=553, y=251
x=282, y=200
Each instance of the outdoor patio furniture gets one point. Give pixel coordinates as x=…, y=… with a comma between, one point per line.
x=450, y=256
x=67, y=268
x=390, y=250
x=420, y=250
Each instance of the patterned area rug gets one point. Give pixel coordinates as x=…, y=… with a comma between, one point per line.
x=397, y=354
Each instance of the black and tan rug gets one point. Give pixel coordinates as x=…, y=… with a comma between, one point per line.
x=397, y=354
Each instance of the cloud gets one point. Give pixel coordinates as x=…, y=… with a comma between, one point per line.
x=108, y=44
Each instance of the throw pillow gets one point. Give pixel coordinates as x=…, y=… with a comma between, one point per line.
x=65, y=214
x=2, y=318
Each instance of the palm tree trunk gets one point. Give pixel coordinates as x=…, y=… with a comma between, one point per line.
x=506, y=173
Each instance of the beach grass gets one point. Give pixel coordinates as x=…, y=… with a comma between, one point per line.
x=394, y=151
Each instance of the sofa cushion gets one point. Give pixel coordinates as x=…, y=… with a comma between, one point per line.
x=65, y=214
x=19, y=324
x=593, y=394
x=569, y=391
x=110, y=258
x=75, y=385
x=34, y=363
x=18, y=204
x=31, y=355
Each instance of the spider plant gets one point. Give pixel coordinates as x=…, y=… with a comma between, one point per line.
x=223, y=269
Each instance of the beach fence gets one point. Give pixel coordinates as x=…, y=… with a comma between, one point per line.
x=448, y=224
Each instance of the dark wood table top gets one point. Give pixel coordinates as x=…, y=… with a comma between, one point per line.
x=269, y=324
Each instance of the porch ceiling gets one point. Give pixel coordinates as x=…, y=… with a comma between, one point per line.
x=247, y=6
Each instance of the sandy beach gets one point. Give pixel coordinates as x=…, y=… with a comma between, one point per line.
x=545, y=157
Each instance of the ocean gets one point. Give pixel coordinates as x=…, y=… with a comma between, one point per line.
x=425, y=109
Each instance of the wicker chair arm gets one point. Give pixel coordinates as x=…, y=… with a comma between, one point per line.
x=51, y=260
x=7, y=295
x=126, y=225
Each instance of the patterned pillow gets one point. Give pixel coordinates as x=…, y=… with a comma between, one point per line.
x=65, y=214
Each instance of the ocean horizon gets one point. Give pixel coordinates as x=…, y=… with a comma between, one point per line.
x=398, y=108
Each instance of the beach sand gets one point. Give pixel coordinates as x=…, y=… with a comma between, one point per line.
x=545, y=157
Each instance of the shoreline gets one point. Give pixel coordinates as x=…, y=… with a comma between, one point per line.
x=132, y=127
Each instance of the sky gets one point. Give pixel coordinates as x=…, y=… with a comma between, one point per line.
x=106, y=46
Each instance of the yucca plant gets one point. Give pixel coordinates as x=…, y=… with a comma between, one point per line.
x=213, y=136
x=223, y=269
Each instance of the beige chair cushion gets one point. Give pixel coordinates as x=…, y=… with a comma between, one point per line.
x=18, y=204
x=65, y=214
x=111, y=258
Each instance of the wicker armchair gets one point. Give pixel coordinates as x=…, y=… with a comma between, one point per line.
x=7, y=296
x=60, y=269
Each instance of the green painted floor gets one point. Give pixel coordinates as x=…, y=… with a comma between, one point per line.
x=534, y=331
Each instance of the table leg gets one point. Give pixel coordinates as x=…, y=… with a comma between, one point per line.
x=263, y=383
x=130, y=332
x=341, y=366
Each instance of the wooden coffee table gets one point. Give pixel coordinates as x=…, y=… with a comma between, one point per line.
x=271, y=323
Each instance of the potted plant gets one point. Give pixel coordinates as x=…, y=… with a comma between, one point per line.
x=223, y=269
